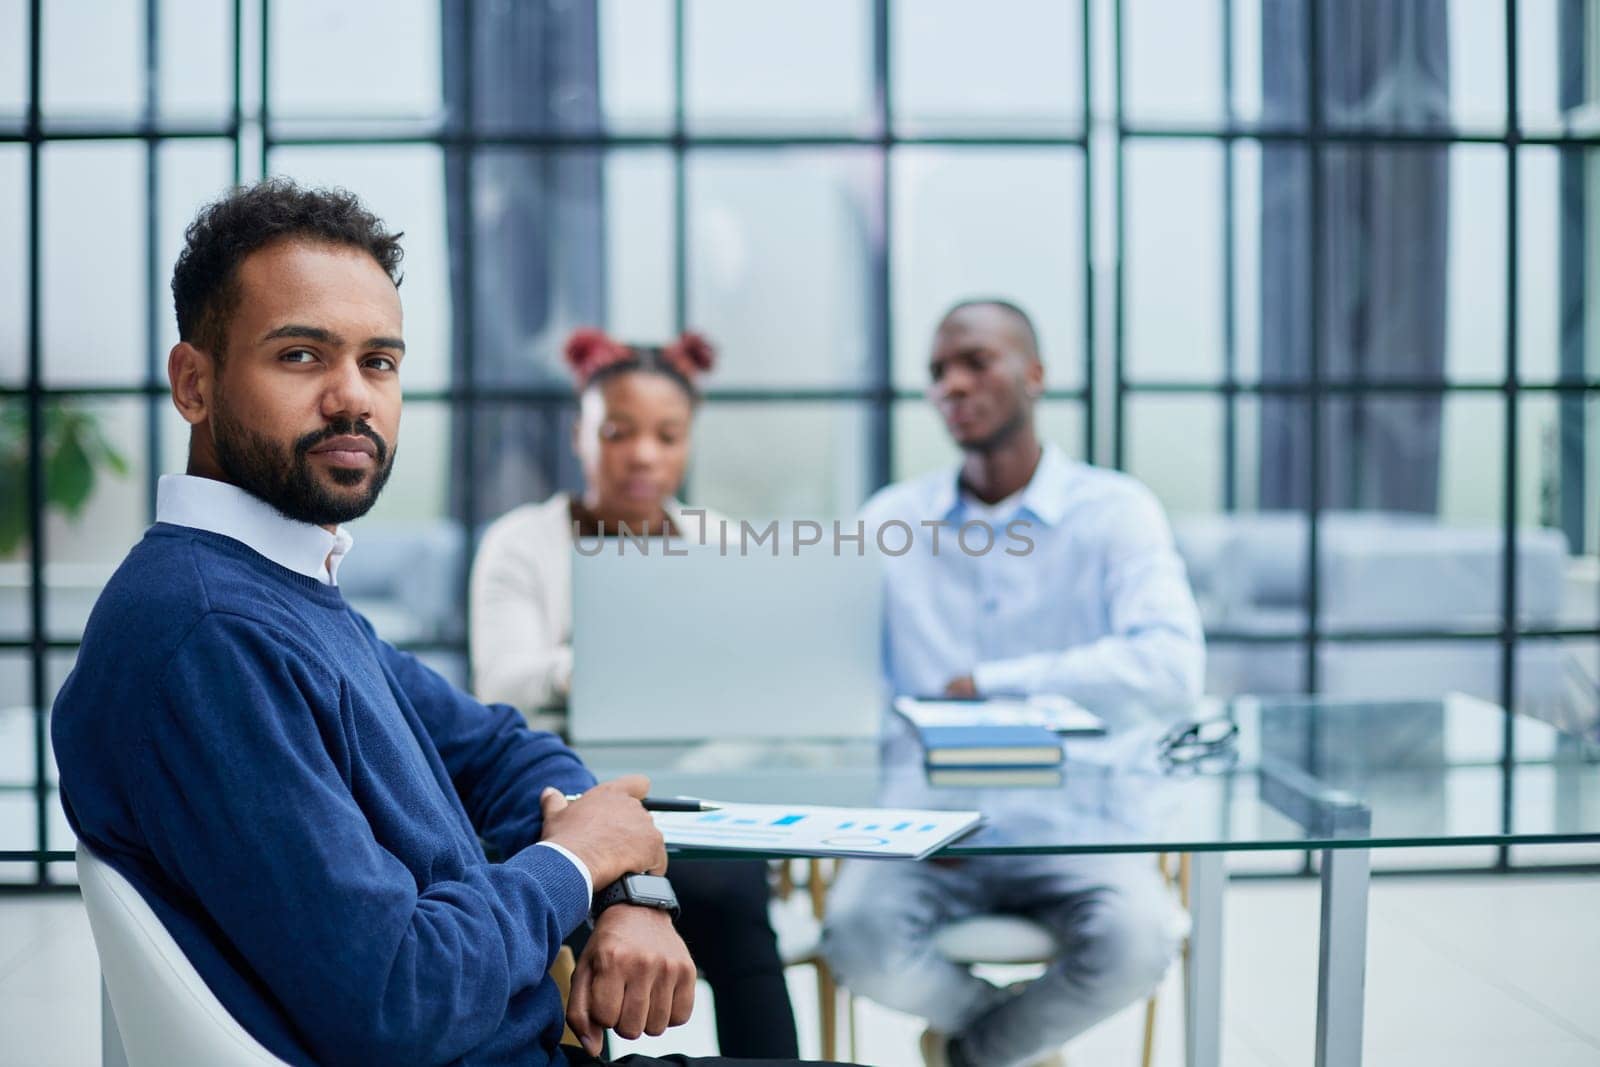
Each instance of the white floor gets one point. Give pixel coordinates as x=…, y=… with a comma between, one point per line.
x=1462, y=972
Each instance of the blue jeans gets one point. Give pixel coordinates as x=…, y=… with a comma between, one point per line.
x=1115, y=925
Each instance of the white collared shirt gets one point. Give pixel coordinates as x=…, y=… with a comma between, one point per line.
x=1094, y=605
x=221, y=508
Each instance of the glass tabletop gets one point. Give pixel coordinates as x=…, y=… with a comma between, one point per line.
x=1295, y=774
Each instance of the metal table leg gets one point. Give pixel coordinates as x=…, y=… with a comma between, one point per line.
x=1208, y=878
x=111, y=1051
x=1342, y=961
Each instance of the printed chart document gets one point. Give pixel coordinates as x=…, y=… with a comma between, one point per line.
x=813, y=831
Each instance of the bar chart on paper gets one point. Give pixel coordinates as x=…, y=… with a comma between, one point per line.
x=786, y=829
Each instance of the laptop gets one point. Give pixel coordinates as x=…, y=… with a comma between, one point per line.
x=710, y=646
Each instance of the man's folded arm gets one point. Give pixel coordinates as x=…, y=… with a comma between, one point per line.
x=498, y=765
x=242, y=800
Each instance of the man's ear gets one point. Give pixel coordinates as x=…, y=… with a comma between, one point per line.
x=1034, y=376
x=193, y=374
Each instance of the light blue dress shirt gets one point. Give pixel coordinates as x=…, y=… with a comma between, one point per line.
x=1098, y=609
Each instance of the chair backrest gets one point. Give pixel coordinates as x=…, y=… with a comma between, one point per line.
x=164, y=1011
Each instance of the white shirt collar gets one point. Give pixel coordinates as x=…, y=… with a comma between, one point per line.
x=217, y=507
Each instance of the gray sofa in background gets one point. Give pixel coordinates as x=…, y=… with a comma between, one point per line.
x=1378, y=571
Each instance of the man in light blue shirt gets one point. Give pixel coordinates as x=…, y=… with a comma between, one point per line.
x=1029, y=573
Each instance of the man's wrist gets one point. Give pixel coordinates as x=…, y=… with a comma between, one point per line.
x=651, y=891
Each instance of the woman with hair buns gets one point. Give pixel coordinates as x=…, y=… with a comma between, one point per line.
x=636, y=406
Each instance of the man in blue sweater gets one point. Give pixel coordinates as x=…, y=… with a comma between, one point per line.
x=301, y=804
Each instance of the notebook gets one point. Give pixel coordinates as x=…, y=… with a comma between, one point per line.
x=1055, y=713
x=995, y=777
x=989, y=746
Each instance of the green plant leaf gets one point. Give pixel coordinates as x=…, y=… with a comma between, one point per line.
x=13, y=493
x=102, y=448
x=69, y=476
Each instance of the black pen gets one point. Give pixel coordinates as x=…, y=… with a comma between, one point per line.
x=670, y=803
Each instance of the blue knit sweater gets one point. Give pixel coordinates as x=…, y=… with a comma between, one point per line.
x=302, y=805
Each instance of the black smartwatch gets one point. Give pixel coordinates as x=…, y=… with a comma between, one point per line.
x=643, y=890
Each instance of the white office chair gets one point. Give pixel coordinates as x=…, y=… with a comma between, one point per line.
x=1011, y=939
x=161, y=1010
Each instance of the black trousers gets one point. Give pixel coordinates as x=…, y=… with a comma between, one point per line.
x=724, y=924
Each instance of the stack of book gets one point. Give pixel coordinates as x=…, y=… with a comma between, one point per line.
x=975, y=744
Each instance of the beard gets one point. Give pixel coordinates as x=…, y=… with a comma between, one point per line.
x=1001, y=435
x=283, y=476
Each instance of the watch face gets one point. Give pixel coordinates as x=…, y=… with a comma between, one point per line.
x=650, y=889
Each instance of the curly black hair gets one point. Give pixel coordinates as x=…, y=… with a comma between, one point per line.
x=205, y=289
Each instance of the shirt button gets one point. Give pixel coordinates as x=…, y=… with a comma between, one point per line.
x=991, y=605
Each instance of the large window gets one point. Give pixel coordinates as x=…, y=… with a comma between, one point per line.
x=1318, y=272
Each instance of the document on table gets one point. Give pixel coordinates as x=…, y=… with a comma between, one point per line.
x=803, y=830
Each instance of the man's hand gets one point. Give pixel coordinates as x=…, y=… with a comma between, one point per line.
x=635, y=976
x=962, y=688
x=607, y=828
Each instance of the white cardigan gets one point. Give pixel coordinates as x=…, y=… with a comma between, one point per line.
x=521, y=607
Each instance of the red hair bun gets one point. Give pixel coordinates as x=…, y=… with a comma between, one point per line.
x=589, y=351
x=691, y=354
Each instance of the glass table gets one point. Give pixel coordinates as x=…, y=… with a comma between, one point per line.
x=1339, y=778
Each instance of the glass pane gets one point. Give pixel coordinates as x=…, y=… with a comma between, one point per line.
x=94, y=61
x=921, y=444
x=405, y=186
x=407, y=569
x=94, y=257
x=1413, y=65
x=1394, y=670
x=1273, y=249
x=955, y=238
x=780, y=66
x=1277, y=47
x=1558, y=488
x=823, y=450
x=15, y=19
x=1172, y=261
x=1413, y=532
x=1558, y=681
x=1414, y=249
x=636, y=64
x=1175, y=445
x=314, y=78
x=15, y=550
x=1475, y=295
x=196, y=60
x=1021, y=65
x=1217, y=543
x=18, y=830
x=17, y=750
x=640, y=235
x=535, y=65
x=779, y=254
x=192, y=174
x=1172, y=61
x=1061, y=423
x=1555, y=92
x=14, y=262
x=568, y=239
x=524, y=455
x=1558, y=259
x=84, y=545
x=547, y=66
